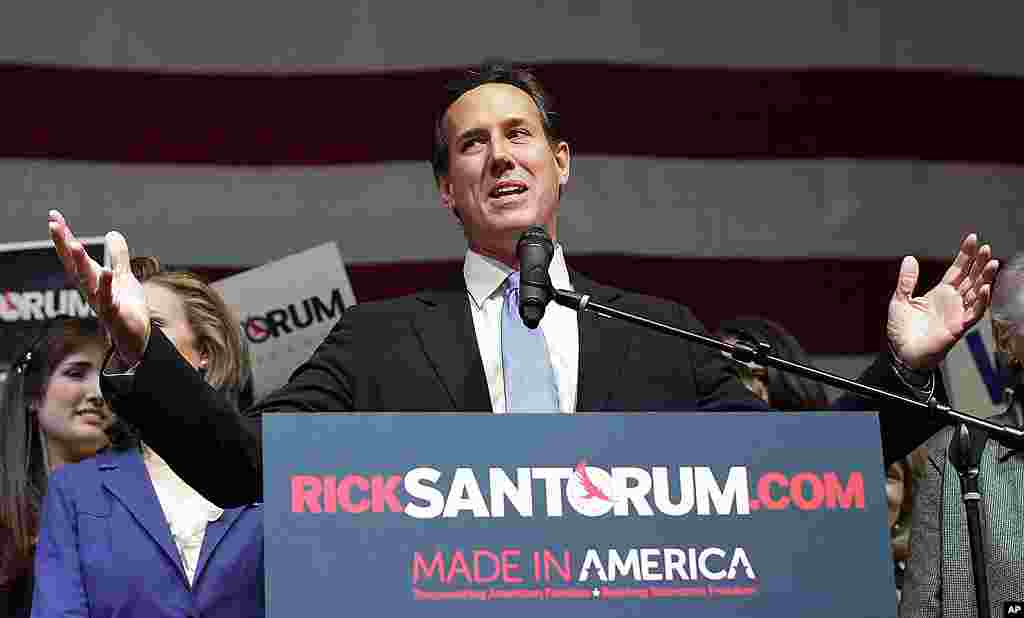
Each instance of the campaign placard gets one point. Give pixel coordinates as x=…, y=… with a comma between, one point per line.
x=33, y=290
x=287, y=307
x=597, y=515
x=974, y=379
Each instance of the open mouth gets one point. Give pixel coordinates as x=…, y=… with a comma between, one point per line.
x=506, y=189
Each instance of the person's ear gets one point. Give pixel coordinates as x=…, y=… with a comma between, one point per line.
x=448, y=196
x=444, y=186
x=204, y=360
x=562, y=161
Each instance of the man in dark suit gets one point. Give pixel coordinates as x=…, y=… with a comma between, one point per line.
x=500, y=166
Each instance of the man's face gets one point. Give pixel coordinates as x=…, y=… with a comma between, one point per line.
x=503, y=174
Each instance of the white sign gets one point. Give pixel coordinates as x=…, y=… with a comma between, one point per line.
x=971, y=374
x=287, y=307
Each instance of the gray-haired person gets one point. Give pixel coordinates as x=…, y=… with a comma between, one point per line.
x=939, y=581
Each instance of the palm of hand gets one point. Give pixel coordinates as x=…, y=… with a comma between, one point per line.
x=114, y=294
x=923, y=329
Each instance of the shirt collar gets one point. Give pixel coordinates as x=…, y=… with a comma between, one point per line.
x=484, y=275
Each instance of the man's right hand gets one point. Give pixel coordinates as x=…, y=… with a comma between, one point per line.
x=113, y=293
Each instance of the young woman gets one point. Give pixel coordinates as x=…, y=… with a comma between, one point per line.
x=51, y=414
x=122, y=534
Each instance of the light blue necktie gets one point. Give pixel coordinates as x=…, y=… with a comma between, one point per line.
x=530, y=384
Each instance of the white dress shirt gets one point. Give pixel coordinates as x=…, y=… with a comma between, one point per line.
x=187, y=512
x=484, y=279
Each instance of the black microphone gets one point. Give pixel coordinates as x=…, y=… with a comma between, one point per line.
x=535, y=251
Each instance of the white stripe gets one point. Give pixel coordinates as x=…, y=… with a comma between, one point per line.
x=773, y=209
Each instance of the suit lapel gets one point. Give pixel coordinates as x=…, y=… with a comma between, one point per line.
x=445, y=328
x=603, y=346
x=215, y=531
x=127, y=479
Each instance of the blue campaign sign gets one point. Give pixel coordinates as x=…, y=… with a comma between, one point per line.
x=595, y=515
x=994, y=380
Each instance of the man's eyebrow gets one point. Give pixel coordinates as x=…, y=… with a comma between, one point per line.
x=513, y=121
x=516, y=121
x=468, y=133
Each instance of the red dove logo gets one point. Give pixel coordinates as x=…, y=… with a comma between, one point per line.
x=589, y=487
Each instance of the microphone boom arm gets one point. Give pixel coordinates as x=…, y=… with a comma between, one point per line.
x=1010, y=436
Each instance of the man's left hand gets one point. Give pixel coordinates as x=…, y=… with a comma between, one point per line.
x=923, y=329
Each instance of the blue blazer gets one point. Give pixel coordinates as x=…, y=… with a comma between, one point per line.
x=105, y=550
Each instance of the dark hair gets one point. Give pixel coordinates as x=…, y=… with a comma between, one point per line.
x=493, y=72
x=786, y=391
x=22, y=460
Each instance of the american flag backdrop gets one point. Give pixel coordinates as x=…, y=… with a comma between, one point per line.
x=759, y=158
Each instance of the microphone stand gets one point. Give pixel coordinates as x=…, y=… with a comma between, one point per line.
x=761, y=354
x=965, y=454
x=1010, y=436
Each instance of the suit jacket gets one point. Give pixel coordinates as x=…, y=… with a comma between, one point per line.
x=105, y=549
x=419, y=353
x=934, y=584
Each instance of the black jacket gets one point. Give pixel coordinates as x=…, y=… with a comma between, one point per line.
x=418, y=353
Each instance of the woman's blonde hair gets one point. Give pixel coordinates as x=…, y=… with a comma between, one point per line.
x=914, y=468
x=215, y=325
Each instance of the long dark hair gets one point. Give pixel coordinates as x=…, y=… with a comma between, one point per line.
x=23, y=468
x=786, y=391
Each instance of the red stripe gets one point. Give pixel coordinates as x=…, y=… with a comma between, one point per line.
x=832, y=306
x=320, y=119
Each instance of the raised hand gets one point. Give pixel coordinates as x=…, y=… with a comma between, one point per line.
x=113, y=293
x=923, y=329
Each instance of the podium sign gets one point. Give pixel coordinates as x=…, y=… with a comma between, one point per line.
x=596, y=515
